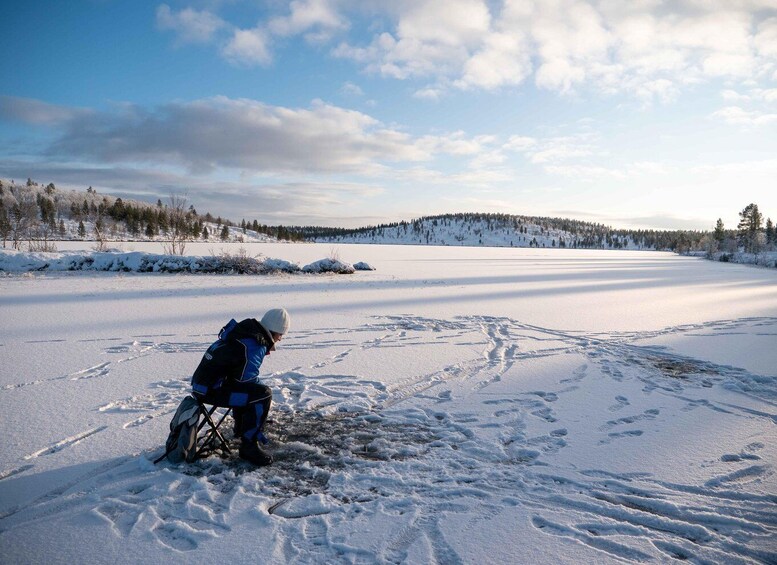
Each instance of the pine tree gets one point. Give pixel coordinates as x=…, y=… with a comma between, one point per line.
x=720, y=232
x=81, y=229
x=205, y=233
x=749, y=227
x=771, y=235
x=224, y=233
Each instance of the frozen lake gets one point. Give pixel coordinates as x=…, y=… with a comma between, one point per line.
x=455, y=405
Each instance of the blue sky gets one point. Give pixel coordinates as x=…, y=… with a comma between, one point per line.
x=643, y=114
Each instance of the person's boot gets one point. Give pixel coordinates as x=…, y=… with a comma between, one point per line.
x=238, y=426
x=251, y=452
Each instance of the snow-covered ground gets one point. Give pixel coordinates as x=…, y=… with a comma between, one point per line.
x=456, y=405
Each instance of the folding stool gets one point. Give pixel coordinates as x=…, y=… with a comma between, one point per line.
x=212, y=439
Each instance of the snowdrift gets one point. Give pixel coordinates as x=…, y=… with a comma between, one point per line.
x=329, y=266
x=142, y=262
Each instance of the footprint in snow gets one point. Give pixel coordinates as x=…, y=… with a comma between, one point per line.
x=577, y=375
x=546, y=396
x=175, y=537
x=619, y=435
x=649, y=414
x=747, y=475
x=545, y=414
x=620, y=403
x=122, y=516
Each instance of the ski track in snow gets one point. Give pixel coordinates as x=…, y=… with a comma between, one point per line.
x=334, y=425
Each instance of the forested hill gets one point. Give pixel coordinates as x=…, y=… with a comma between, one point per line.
x=506, y=230
x=33, y=216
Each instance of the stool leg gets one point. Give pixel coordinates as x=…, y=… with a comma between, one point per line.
x=213, y=432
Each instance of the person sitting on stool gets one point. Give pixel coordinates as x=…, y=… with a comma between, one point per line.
x=228, y=375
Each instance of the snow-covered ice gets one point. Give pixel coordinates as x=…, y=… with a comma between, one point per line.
x=456, y=405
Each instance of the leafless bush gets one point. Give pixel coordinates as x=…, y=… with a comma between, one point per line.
x=42, y=245
x=238, y=262
x=178, y=229
x=23, y=219
x=40, y=239
x=100, y=239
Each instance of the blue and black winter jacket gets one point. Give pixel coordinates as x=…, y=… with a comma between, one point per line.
x=236, y=355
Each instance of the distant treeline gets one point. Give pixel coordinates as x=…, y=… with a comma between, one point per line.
x=35, y=214
x=586, y=235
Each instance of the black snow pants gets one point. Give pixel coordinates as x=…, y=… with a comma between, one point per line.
x=250, y=403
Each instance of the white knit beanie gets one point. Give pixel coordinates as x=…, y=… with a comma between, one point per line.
x=276, y=321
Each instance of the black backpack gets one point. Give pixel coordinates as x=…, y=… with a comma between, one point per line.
x=181, y=444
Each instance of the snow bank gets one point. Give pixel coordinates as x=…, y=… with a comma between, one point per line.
x=768, y=259
x=142, y=262
x=329, y=266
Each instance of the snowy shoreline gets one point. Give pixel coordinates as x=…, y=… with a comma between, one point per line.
x=144, y=262
x=767, y=259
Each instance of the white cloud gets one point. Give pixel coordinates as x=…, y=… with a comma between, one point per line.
x=520, y=143
x=455, y=143
x=559, y=154
x=734, y=96
x=27, y=110
x=239, y=134
x=735, y=115
x=427, y=41
x=649, y=49
x=763, y=95
x=459, y=22
x=352, y=89
x=766, y=38
x=504, y=59
x=768, y=95
x=318, y=15
x=317, y=20
x=248, y=47
x=467, y=180
x=578, y=156
x=192, y=26
x=429, y=93
x=729, y=65
x=555, y=149
x=487, y=159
